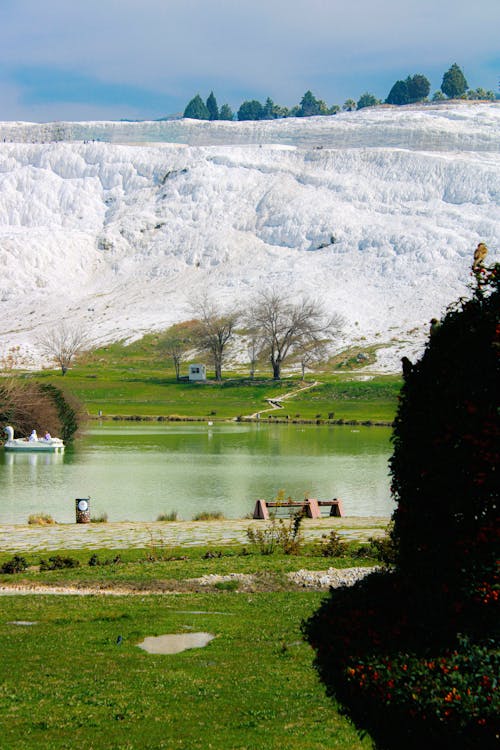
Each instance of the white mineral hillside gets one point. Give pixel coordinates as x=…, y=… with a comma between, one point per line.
x=121, y=228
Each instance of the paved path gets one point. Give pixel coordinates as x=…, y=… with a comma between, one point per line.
x=24, y=538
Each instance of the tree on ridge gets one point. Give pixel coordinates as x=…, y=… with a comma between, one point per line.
x=213, y=109
x=197, y=109
x=286, y=327
x=214, y=331
x=454, y=83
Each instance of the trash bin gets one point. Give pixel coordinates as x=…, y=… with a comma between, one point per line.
x=82, y=509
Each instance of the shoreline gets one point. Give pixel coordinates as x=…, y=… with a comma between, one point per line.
x=237, y=420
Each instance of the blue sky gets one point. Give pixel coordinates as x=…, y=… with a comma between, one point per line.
x=112, y=59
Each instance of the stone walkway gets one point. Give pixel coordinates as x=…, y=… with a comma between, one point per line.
x=24, y=538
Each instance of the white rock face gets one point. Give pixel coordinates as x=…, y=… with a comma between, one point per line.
x=376, y=214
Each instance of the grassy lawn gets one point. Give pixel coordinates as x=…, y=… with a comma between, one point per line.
x=137, y=380
x=72, y=674
x=128, y=392
x=67, y=683
x=119, y=382
x=346, y=397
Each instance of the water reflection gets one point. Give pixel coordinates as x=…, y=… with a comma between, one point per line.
x=137, y=472
x=33, y=459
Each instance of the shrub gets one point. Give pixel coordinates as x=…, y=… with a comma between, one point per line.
x=27, y=404
x=332, y=545
x=95, y=560
x=15, y=565
x=452, y=689
x=383, y=548
x=157, y=549
x=231, y=585
x=56, y=562
x=208, y=515
x=171, y=516
x=278, y=534
x=412, y=651
x=103, y=518
x=40, y=519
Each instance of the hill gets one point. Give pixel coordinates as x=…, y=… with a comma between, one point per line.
x=121, y=227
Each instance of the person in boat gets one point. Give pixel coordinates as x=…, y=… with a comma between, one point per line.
x=47, y=436
x=33, y=437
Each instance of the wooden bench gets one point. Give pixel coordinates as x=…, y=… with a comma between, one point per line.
x=310, y=507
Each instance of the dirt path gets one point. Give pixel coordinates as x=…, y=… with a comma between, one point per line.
x=317, y=580
x=275, y=403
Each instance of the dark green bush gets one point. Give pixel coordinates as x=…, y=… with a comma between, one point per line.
x=412, y=652
x=15, y=565
x=56, y=562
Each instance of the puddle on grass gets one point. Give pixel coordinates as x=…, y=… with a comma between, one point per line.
x=174, y=644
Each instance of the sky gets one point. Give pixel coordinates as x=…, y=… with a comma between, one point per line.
x=145, y=59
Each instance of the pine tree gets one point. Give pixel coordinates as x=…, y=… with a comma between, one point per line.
x=212, y=107
x=418, y=87
x=454, y=83
x=196, y=109
x=250, y=110
x=398, y=94
x=309, y=106
x=269, y=110
x=226, y=113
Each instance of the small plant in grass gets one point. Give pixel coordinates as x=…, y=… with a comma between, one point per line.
x=383, y=548
x=40, y=519
x=212, y=555
x=331, y=545
x=209, y=515
x=103, y=518
x=57, y=562
x=157, y=549
x=278, y=534
x=15, y=565
x=171, y=516
x=95, y=560
x=231, y=585
x=281, y=498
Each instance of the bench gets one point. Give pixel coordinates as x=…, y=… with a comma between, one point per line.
x=311, y=508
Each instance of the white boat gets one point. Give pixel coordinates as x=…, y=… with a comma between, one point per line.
x=33, y=443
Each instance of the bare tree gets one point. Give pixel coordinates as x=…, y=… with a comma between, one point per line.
x=214, y=332
x=287, y=327
x=311, y=353
x=24, y=405
x=253, y=349
x=62, y=344
x=177, y=341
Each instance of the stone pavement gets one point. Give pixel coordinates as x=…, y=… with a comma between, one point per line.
x=23, y=538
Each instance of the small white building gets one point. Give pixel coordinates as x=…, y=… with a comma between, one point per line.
x=197, y=372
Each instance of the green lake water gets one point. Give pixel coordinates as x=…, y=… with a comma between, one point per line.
x=137, y=472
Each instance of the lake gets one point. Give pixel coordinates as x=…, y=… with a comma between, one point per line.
x=137, y=472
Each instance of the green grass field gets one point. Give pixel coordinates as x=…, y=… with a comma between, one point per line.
x=136, y=380
x=66, y=681
x=72, y=674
